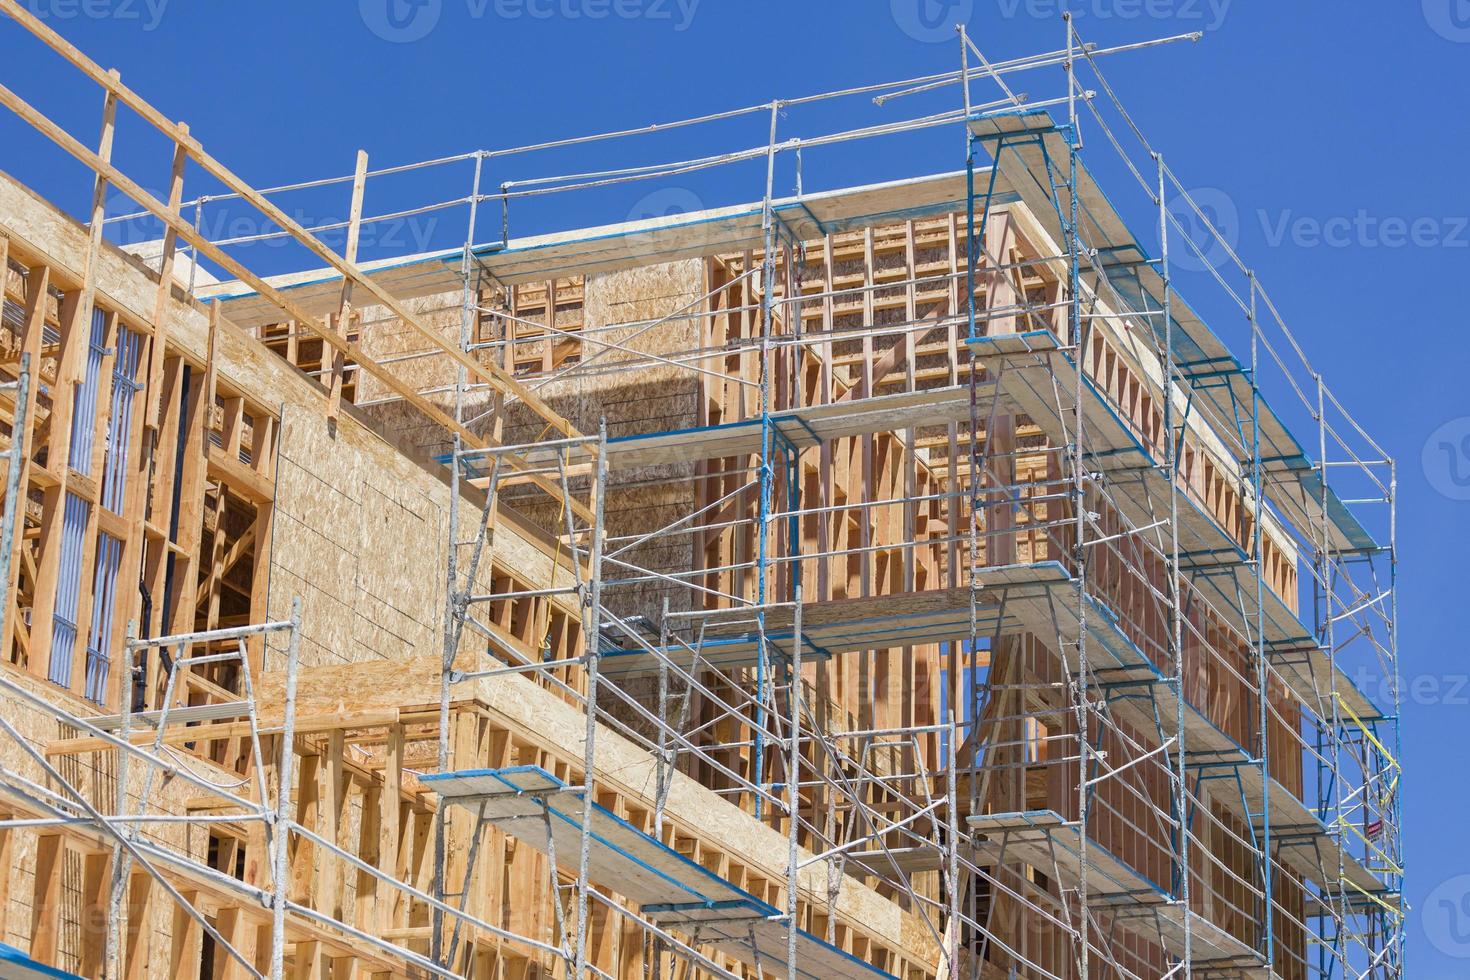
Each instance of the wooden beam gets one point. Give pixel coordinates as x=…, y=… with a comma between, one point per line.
x=334, y=809
x=96, y=888
x=311, y=962
x=139, y=931
x=187, y=945
x=344, y=303
x=46, y=901
x=388, y=823
x=204, y=246
x=307, y=725
x=165, y=282
x=48, y=570
x=9, y=866
x=240, y=478
x=489, y=373
x=236, y=927
x=302, y=878
x=232, y=557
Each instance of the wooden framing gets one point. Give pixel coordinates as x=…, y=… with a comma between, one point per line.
x=108, y=174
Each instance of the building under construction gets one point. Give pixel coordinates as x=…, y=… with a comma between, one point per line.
x=893, y=581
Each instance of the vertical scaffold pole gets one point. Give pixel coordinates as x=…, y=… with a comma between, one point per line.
x=793, y=784
x=1329, y=590
x=1079, y=503
x=592, y=627
x=1395, y=806
x=281, y=828
x=1176, y=611
x=114, y=950
x=452, y=613
x=455, y=600
x=767, y=471
x=667, y=755
x=1262, y=674
x=951, y=760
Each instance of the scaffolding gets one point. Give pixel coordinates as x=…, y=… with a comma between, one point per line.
x=1093, y=553
x=1131, y=699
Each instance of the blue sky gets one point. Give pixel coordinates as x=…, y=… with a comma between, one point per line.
x=1335, y=134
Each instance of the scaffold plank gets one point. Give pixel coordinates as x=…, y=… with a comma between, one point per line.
x=1035, y=162
x=528, y=802
x=863, y=623
x=16, y=965
x=1047, y=842
x=1042, y=378
x=800, y=428
x=1300, y=840
x=751, y=931
x=182, y=715
x=912, y=859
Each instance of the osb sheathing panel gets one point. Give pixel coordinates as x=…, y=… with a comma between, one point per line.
x=96, y=774
x=387, y=339
x=650, y=398
x=646, y=399
x=361, y=534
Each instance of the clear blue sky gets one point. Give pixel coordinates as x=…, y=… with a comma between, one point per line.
x=1337, y=133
